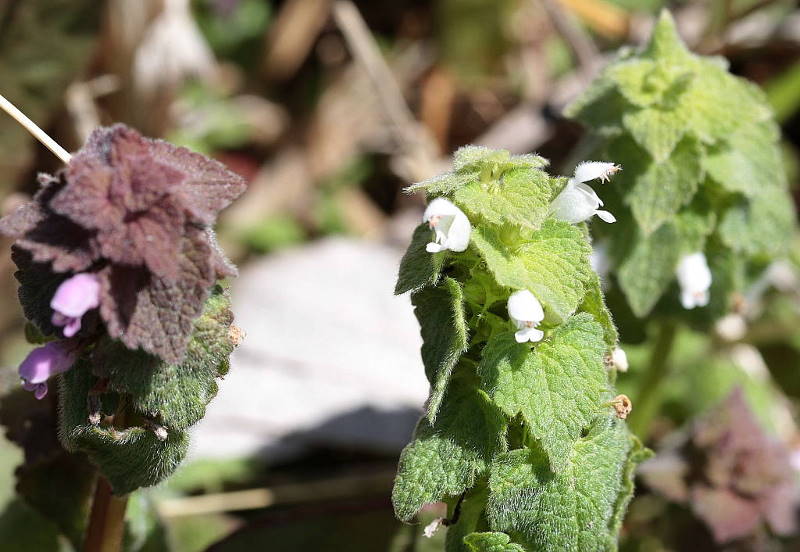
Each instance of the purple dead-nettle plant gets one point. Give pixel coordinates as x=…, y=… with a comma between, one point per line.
x=119, y=274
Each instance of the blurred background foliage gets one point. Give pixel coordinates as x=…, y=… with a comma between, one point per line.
x=328, y=109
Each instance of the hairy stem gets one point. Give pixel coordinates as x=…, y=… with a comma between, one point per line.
x=37, y=132
x=107, y=519
x=647, y=399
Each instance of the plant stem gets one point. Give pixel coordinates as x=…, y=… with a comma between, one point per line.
x=107, y=520
x=647, y=399
x=37, y=132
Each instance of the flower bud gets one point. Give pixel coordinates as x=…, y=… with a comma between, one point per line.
x=73, y=298
x=450, y=224
x=43, y=363
x=526, y=313
x=694, y=278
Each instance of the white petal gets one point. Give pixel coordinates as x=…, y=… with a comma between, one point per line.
x=590, y=194
x=694, y=278
x=528, y=334
x=620, y=360
x=440, y=206
x=572, y=205
x=605, y=216
x=459, y=232
x=589, y=170
x=524, y=306
x=688, y=299
x=434, y=248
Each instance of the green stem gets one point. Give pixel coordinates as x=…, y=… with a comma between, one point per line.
x=107, y=520
x=647, y=399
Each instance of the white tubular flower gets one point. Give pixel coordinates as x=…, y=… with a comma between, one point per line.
x=577, y=201
x=620, y=360
x=526, y=312
x=450, y=224
x=694, y=277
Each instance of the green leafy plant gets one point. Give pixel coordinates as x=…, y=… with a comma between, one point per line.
x=703, y=175
x=523, y=435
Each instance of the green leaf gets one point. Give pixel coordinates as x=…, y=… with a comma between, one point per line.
x=663, y=188
x=637, y=454
x=471, y=514
x=477, y=165
x=491, y=542
x=748, y=162
x=666, y=45
x=656, y=130
x=557, y=386
x=129, y=458
x=174, y=395
x=440, y=311
x=762, y=227
x=418, y=268
x=631, y=77
x=476, y=157
x=595, y=304
x=520, y=196
x=649, y=269
x=445, y=459
x=571, y=510
x=553, y=263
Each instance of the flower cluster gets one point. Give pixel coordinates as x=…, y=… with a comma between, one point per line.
x=123, y=229
x=576, y=203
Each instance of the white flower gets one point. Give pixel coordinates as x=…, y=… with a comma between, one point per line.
x=431, y=529
x=172, y=48
x=450, y=224
x=731, y=327
x=577, y=201
x=694, y=277
x=620, y=360
x=526, y=312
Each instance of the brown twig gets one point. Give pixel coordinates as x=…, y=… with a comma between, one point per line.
x=579, y=40
x=412, y=141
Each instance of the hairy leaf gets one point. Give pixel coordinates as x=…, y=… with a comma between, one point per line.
x=572, y=510
x=553, y=263
x=519, y=196
x=445, y=459
x=491, y=542
x=557, y=386
x=440, y=311
x=418, y=268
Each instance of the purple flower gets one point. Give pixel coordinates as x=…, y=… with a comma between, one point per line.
x=43, y=363
x=73, y=298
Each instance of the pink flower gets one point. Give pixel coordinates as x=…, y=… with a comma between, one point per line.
x=73, y=298
x=43, y=363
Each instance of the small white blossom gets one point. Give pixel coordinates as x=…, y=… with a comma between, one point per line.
x=694, y=278
x=577, y=201
x=431, y=529
x=731, y=327
x=526, y=312
x=620, y=360
x=450, y=224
